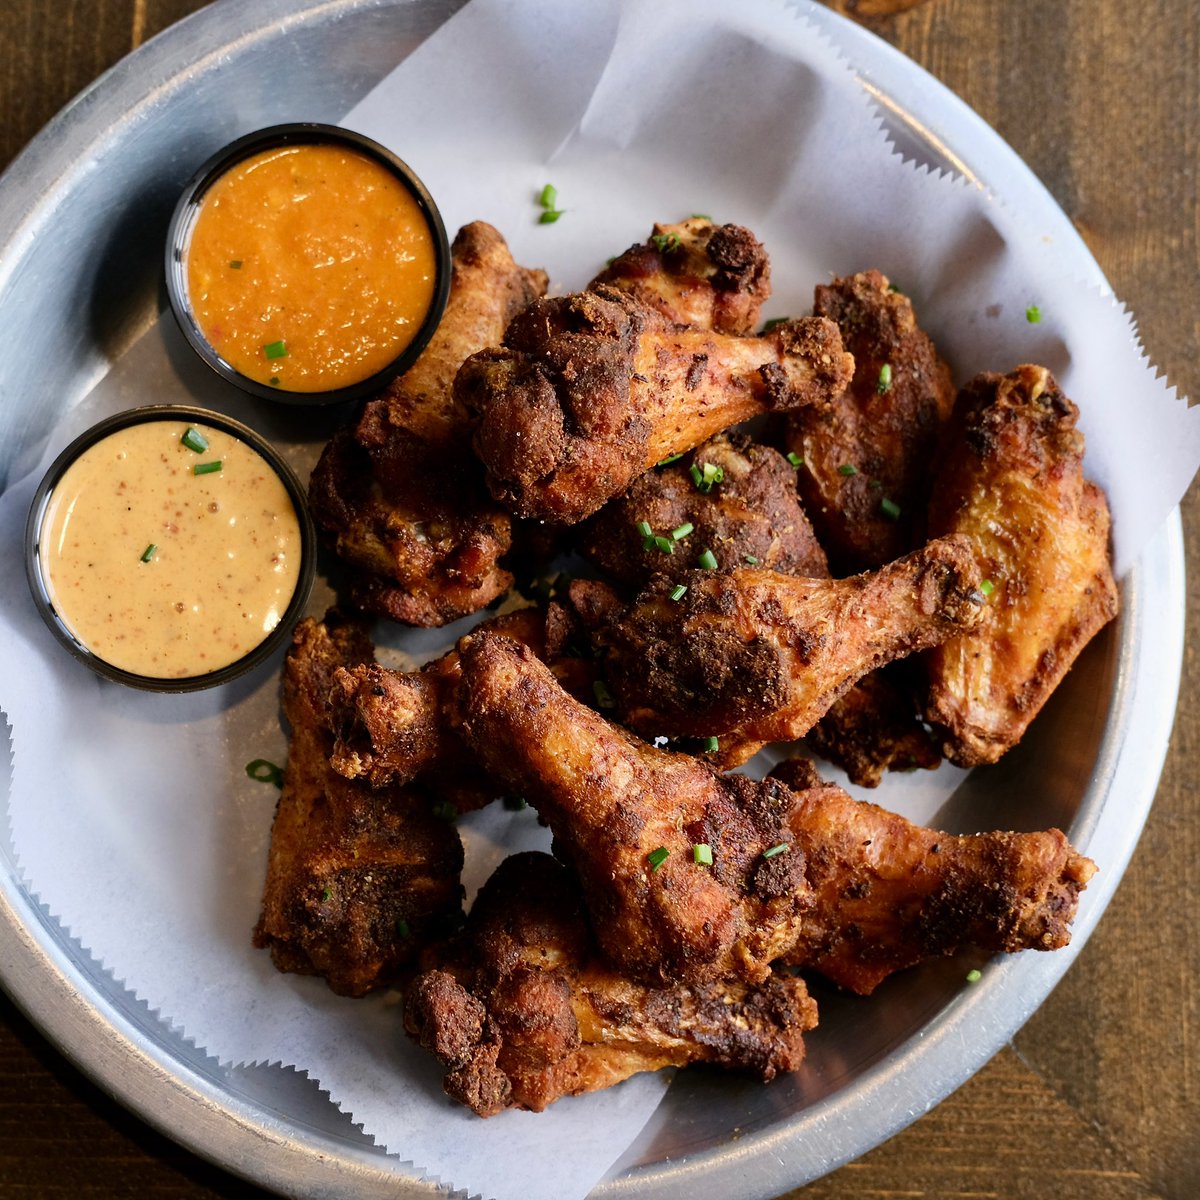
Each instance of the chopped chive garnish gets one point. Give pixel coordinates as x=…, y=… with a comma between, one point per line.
x=326, y=893
x=779, y=848
x=889, y=508
x=752, y=559
x=847, y=469
x=549, y=196
x=885, y=379
x=702, y=854
x=893, y=288
x=707, y=560
x=774, y=322
x=656, y=858
x=681, y=531
x=206, y=468
x=974, y=975
x=678, y=591
x=701, y=217
x=664, y=544
x=193, y=439
x=665, y=243
x=236, y=265
x=705, y=479
x=445, y=810
x=149, y=552
x=662, y=462
x=1033, y=314
x=515, y=803
x=549, y=216
x=987, y=587
x=275, y=349
x=710, y=745
x=643, y=527
x=604, y=697
x=795, y=459
x=265, y=771
x=402, y=928
x=876, y=485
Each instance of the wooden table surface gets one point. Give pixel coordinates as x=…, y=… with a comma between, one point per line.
x=1099, y=1096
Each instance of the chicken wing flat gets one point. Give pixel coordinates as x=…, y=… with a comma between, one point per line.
x=357, y=878
x=866, y=456
x=523, y=1010
x=690, y=876
x=888, y=894
x=1010, y=475
x=749, y=514
x=750, y=657
x=696, y=273
x=399, y=493
x=590, y=390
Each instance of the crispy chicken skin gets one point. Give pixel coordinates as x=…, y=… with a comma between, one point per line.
x=886, y=434
x=393, y=727
x=696, y=273
x=357, y=878
x=751, y=656
x=590, y=390
x=888, y=894
x=812, y=875
x=399, y=493
x=752, y=515
x=874, y=727
x=1010, y=475
x=523, y=1010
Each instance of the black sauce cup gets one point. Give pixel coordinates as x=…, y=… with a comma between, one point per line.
x=298, y=134
x=185, y=414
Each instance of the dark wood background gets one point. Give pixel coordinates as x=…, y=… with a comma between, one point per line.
x=1098, y=1098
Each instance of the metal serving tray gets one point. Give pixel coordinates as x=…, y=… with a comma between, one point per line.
x=82, y=214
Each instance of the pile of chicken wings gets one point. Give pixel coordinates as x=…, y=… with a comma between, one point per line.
x=795, y=531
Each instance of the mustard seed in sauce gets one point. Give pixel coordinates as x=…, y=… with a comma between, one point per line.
x=227, y=550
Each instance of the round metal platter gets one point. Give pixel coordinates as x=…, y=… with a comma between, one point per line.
x=85, y=208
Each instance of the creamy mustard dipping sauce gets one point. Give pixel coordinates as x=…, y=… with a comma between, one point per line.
x=310, y=267
x=162, y=571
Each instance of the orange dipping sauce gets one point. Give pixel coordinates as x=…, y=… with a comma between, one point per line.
x=310, y=267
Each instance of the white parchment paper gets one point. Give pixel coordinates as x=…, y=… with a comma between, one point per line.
x=131, y=815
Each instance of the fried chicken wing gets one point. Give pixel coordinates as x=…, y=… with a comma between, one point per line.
x=590, y=390
x=523, y=1010
x=812, y=875
x=751, y=656
x=696, y=273
x=888, y=894
x=874, y=727
x=357, y=877
x=394, y=727
x=1010, y=475
x=866, y=456
x=751, y=516
x=399, y=492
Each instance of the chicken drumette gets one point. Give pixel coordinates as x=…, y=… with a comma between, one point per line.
x=399, y=492
x=590, y=390
x=865, y=476
x=696, y=273
x=693, y=877
x=749, y=657
x=358, y=877
x=522, y=1009
x=1010, y=475
x=748, y=513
